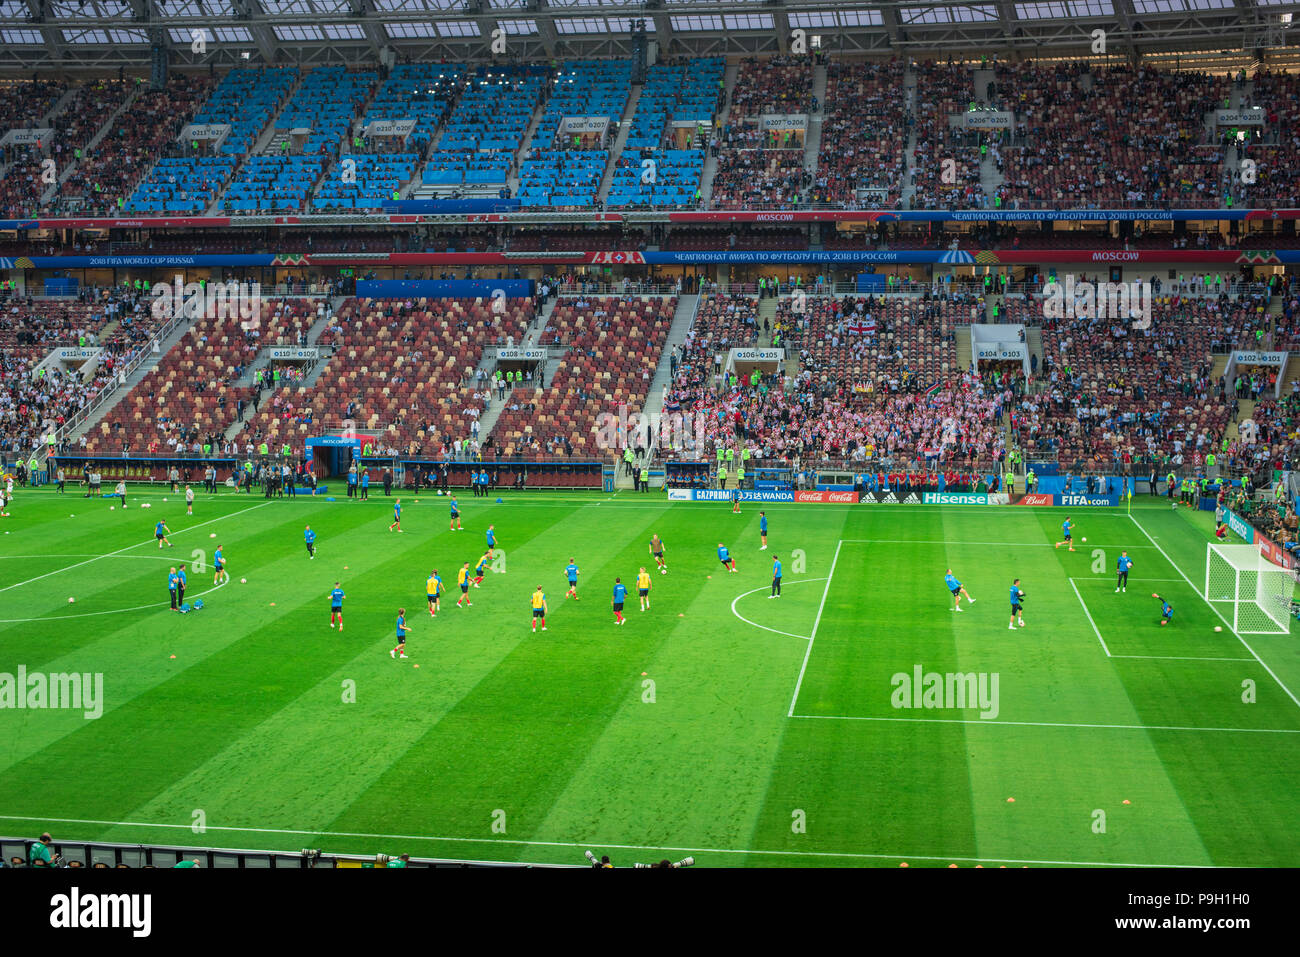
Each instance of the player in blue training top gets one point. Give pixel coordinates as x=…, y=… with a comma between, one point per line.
x=336, y=605
x=397, y=519
x=724, y=556
x=571, y=572
x=762, y=530
x=735, y=499
x=776, y=577
x=402, y=632
x=160, y=532
x=620, y=593
x=1122, y=566
x=172, y=582
x=491, y=539
x=954, y=586
x=181, y=582
x=1017, y=604
x=219, y=567
x=1166, y=610
x=481, y=568
x=455, y=515
x=1067, y=538
x=309, y=537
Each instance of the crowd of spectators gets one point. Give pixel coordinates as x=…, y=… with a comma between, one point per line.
x=946, y=173
x=776, y=85
x=144, y=132
x=864, y=135
x=1132, y=137
x=760, y=179
x=841, y=406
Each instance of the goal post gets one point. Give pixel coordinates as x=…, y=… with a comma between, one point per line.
x=1249, y=590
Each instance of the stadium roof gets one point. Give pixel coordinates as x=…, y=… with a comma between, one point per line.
x=95, y=35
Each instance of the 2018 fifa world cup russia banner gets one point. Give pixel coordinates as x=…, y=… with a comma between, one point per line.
x=1073, y=498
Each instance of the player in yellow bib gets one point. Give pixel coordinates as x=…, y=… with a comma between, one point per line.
x=463, y=580
x=433, y=591
x=643, y=588
x=539, y=608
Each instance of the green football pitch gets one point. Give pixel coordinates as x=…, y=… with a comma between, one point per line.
x=720, y=723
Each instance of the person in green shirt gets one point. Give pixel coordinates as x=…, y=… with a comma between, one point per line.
x=740, y=477
x=722, y=477
x=400, y=861
x=40, y=854
x=192, y=862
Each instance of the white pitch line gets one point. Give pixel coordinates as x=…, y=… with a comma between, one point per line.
x=155, y=558
x=1225, y=621
x=1048, y=724
x=1106, y=581
x=813, y=636
x=855, y=855
x=765, y=588
x=1084, y=605
x=89, y=561
x=940, y=541
x=1180, y=658
x=113, y=611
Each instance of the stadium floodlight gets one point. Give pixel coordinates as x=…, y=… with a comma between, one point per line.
x=1240, y=580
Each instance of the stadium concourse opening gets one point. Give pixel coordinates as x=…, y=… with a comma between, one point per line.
x=799, y=444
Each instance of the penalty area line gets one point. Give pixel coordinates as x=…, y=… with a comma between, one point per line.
x=1227, y=624
x=816, y=624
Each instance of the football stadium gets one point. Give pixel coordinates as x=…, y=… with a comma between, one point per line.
x=773, y=402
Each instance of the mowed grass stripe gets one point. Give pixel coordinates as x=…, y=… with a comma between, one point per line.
x=101, y=583
x=207, y=690
x=511, y=744
x=297, y=775
x=843, y=790
x=692, y=766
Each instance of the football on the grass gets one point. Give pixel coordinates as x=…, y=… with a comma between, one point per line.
x=70, y=600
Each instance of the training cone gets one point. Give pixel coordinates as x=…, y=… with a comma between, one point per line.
x=1011, y=800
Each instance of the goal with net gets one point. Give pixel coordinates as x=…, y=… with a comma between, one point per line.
x=1247, y=589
